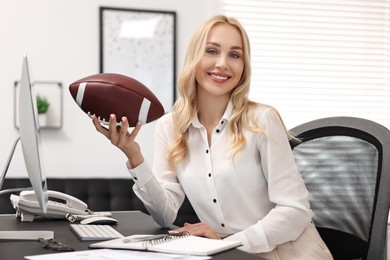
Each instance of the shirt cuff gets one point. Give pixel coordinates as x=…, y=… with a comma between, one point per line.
x=240, y=237
x=141, y=174
x=253, y=240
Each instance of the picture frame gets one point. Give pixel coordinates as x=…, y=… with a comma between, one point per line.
x=141, y=44
x=49, y=92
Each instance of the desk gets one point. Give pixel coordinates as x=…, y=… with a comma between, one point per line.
x=129, y=223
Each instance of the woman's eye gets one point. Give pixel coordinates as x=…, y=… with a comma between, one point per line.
x=234, y=55
x=212, y=51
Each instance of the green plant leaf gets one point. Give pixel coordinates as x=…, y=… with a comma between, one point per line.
x=42, y=104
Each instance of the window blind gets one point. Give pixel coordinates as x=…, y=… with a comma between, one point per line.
x=316, y=58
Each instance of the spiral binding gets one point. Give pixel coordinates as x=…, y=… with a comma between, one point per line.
x=164, y=239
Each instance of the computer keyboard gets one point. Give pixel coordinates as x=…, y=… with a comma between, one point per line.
x=95, y=232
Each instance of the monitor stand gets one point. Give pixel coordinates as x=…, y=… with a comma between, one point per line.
x=2, y=177
x=15, y=235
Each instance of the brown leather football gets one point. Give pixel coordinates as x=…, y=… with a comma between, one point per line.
x=109, y=93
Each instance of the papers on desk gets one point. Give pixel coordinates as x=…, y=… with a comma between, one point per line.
x=110, y=254
x=175, y=244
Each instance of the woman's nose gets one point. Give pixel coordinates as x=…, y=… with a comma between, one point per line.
x=221, y=62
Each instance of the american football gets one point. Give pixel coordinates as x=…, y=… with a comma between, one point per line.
x=109, y=93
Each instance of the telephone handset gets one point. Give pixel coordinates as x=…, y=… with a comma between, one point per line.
x=58, y=206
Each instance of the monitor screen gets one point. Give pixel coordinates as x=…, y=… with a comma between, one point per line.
x=30, y=137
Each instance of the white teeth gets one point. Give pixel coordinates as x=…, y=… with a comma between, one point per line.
x=218, y=77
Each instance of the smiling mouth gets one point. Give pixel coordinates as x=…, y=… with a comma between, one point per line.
x=218, y=77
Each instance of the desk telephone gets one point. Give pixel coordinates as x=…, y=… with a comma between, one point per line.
x=59, y=206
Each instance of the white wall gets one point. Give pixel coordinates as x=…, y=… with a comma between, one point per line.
x=61, y=39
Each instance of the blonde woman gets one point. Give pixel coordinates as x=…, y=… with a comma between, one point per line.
x=229, y=155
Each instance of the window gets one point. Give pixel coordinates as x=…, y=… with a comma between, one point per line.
x=316, y=58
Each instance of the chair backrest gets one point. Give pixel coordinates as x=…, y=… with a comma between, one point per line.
x=345, y=163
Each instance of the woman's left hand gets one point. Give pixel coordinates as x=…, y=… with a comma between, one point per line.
x=200, y=229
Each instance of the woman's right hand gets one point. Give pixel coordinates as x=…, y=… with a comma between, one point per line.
x=122, y=138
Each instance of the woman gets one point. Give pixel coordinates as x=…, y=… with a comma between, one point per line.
x=229, y=155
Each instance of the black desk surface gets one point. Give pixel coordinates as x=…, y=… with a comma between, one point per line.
x=129, y=223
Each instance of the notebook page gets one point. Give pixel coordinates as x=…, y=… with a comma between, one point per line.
x=129, y=242
x=193, y=245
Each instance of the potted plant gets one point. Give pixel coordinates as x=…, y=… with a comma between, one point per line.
x=42, y=107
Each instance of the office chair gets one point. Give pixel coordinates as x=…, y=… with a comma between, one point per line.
x=345, y=164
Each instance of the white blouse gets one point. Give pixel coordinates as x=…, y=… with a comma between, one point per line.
x=259, y=199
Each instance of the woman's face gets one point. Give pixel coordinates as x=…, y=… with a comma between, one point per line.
x=222, y=65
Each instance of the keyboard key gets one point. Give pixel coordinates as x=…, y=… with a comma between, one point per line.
x=94, y=232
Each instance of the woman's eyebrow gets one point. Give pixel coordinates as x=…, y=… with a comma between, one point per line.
x=236, y=48
x=214, y=43
x=219, y=45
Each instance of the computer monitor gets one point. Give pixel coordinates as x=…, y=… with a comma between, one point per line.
x=30, y=139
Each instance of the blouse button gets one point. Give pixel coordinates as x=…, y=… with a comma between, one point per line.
x=214, y=200
x=209, y=174
x=207, y=151
x=135, y=178
x=223, y=225
x=218, y=131
x=222, y=122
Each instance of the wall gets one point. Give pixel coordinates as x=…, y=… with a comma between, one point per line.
x=61, y=39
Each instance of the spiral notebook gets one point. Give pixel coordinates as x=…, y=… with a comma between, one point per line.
x=177, y=244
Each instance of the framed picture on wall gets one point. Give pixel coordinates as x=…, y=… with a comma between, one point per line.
x=49, y=102
x=141, y=44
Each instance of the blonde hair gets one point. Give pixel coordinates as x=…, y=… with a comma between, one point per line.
x=186, y=105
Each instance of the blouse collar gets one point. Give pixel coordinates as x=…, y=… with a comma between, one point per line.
x=225, y=118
